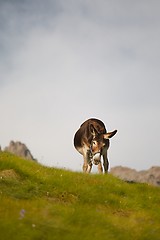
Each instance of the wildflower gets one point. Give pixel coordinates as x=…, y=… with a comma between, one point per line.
x=22, y=213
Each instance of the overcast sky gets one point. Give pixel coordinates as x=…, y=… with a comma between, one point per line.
x=64, y=61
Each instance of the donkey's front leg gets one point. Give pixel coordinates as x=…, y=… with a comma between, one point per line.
x=87, y=166
x=105, y=161
x=100, y=169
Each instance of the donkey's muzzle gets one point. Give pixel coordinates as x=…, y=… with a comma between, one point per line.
x=97, y=158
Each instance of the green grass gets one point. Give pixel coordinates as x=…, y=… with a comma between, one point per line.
x=37, y=202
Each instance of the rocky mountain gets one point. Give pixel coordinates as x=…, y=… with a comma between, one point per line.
x=150, y=176
x=19, y=149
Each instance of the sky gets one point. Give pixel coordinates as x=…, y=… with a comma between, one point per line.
x=64, y=61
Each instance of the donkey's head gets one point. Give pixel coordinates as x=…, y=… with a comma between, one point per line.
x=99, y=142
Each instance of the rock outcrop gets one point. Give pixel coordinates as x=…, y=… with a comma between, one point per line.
x=19, y=149
x=150, y=176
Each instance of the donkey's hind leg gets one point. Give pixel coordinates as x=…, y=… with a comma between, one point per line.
x=100, y=169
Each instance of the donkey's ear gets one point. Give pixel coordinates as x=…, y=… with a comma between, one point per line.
x=109, y=134
x=92, y=130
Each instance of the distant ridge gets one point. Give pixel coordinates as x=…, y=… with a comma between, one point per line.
x=150, y=176
x=19, y=149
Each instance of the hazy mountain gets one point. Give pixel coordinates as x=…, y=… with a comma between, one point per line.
x=151, y=176
x=19, y=149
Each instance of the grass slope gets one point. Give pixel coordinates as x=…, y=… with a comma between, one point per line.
x=37, y=202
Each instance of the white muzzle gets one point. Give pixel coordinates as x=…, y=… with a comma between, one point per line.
x=97, y=158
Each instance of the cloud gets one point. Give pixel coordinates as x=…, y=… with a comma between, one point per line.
x=66, y=61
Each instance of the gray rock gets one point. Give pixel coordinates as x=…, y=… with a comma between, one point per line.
x=150, y=176
x=19, y=149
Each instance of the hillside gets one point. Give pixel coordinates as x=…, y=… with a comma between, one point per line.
x=47, y=203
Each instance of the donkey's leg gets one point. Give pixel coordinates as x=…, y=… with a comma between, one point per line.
x=89, y=168
x=89, y=161
x=87, y=165
x=100, y=169
x=105, y=161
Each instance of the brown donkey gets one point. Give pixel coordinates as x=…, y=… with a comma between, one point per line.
x=92, y=140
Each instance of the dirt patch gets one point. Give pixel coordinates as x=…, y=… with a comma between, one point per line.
x=8, y=174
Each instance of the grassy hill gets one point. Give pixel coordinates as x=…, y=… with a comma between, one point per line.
x=37, y=202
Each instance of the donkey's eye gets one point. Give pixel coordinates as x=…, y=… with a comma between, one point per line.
x=94, y=143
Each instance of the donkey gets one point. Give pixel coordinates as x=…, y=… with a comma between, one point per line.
x=92, y=141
